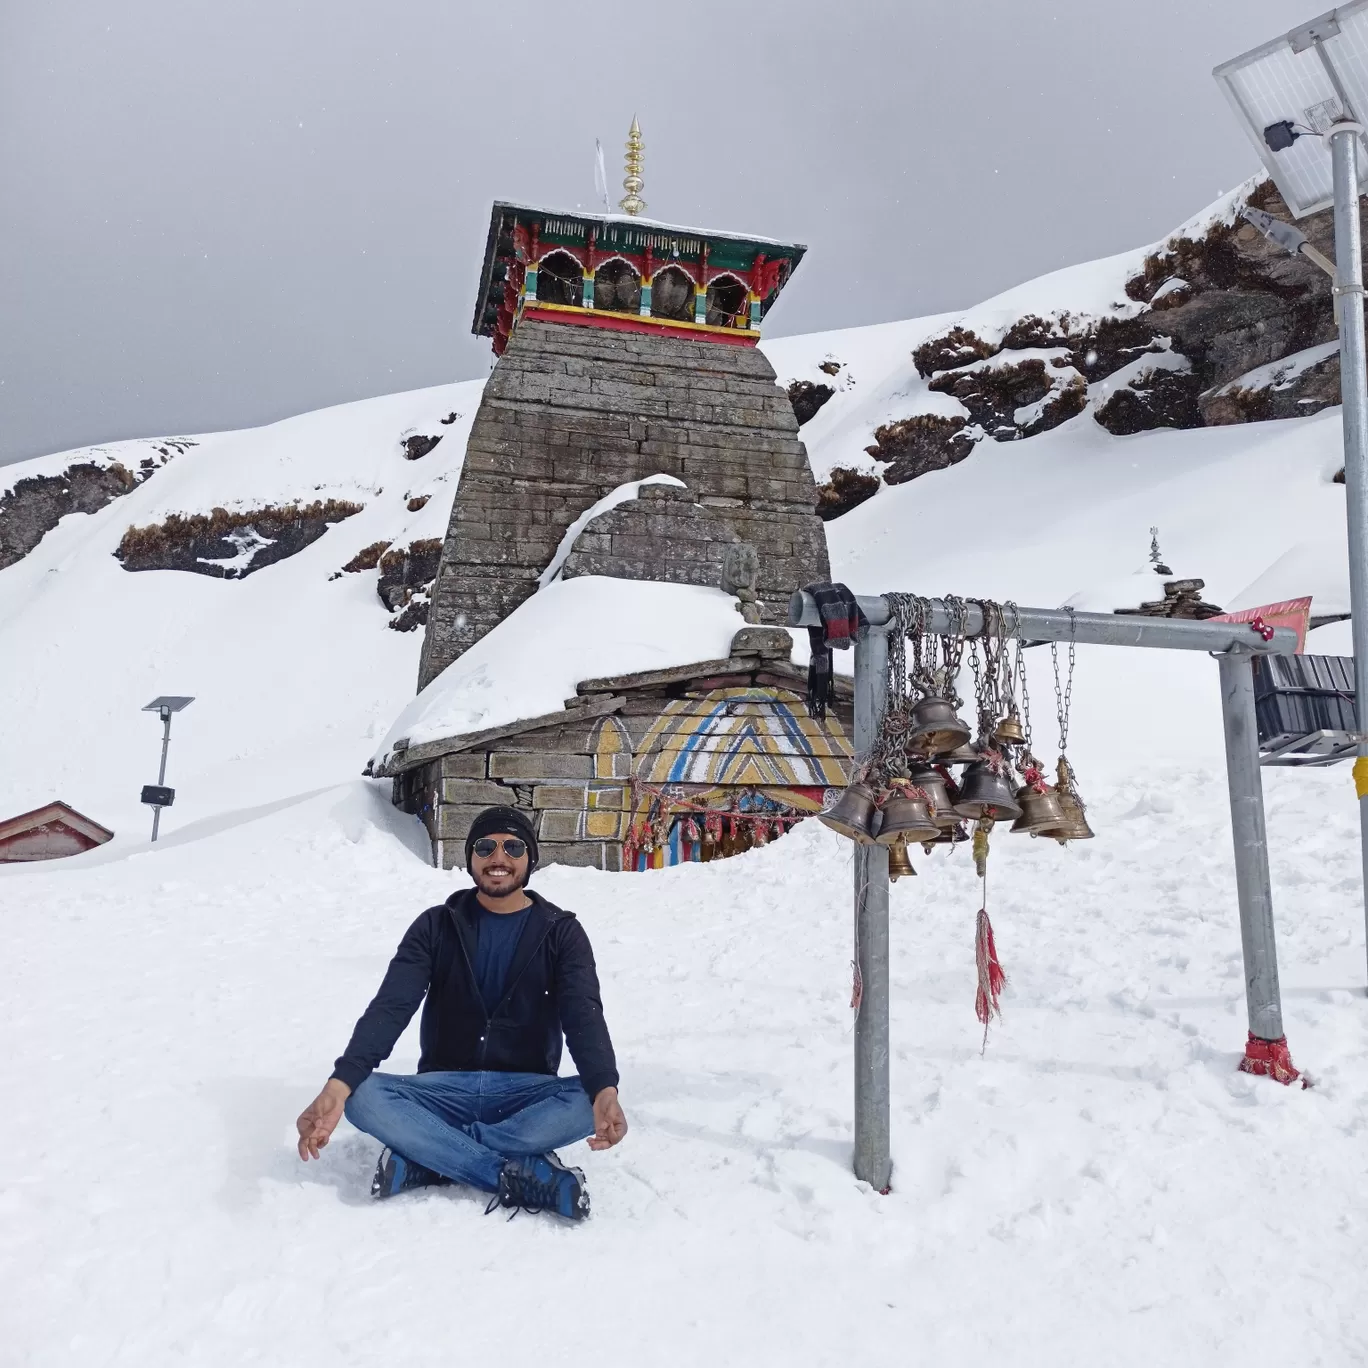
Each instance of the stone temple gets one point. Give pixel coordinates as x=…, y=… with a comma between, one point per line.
x=626, y=349
x=632, y=429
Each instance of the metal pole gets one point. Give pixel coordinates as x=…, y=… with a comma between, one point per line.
x=1262, y=997
x=873, y=1160
x=1354, y=395
x=1088, y=629
x=161, y=773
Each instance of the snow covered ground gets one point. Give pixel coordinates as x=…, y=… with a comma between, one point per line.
x=1100, y=1184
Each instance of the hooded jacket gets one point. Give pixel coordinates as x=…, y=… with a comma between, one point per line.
x=552, y=991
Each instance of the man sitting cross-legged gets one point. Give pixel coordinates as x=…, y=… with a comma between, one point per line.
x=505, y=973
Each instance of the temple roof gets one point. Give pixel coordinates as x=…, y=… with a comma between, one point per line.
x=622, y=234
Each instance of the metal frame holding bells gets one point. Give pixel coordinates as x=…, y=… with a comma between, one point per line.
x=1235, y=646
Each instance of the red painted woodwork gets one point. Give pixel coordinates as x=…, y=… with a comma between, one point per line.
x=630, y=323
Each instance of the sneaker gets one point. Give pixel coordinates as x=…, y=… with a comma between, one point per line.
x=540, y=1182
x=394, y=1174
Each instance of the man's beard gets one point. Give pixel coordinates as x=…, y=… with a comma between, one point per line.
x=499, y=886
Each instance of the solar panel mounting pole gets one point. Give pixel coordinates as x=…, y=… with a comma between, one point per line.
x=1343, y=138
x=161, y=773
x=158, y=796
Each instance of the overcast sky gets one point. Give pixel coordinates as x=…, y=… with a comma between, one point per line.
x=213, y=215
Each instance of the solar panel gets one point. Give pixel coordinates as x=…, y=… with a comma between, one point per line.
x=1308, y=78
x=171, y=702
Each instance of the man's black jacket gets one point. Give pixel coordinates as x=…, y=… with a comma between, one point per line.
x=552, y=987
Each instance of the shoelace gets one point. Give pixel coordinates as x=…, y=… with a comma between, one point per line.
x=522, y=1188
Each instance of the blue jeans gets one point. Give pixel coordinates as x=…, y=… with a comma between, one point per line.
x=464, y=1125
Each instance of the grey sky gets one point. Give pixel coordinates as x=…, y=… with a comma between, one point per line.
x=213, y=215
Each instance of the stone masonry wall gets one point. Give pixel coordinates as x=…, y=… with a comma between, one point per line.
x=568, y=415
x=663, y=535
x=578, y=801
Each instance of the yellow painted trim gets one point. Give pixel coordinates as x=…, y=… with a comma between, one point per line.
x=647, y=318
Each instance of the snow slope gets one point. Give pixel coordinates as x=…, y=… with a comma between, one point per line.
x=1099, y=1184
x=294, y=673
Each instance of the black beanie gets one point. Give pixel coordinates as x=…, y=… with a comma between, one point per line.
x=510, y=821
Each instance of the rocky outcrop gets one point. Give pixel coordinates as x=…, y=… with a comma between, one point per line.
x=37, y=503
x=230, y=545
x=1157, y=398
x=417, y=446
x=913, y=446
x=1009, y=399
x=405, y=583
x=1294, y=387
x=806, y=398
x=843, y=490
x=1229, y=329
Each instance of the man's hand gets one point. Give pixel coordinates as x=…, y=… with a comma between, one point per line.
x=610, y=1125
x=319, y=1119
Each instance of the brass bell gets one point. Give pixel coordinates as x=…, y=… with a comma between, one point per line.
x=1073, y=825
x=1009, y=732
x=853, y=814
x=935, y=727
x=899, y=863
x=937, y=794
x=986, y=794
x=1041, y=813
x=906, y=817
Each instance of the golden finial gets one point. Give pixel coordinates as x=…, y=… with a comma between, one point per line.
x=631, y=202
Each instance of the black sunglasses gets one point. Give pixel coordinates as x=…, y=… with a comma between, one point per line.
x=512, y=847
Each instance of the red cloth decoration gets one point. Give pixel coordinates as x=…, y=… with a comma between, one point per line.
x=1270, y=1059
x=991, y=978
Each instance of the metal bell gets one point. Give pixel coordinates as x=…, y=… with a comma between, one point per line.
x=1041, y=813
x=986, y=794
x=935, y=727
x=899, y=863
x=853, y=814
x=1073, y=825
x=906, y=818
x=961, y=755
x=937, y=794
x=1009, y=732
x=954, y=835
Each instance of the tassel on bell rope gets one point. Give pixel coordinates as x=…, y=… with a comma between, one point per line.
x=991, y=978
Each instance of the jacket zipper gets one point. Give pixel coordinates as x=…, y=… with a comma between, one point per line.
x=489, y=1017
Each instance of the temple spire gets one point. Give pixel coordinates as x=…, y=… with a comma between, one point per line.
x=631, y=202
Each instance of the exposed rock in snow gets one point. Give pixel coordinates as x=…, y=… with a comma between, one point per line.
x=1294, y=387
x=1174, y=336
x=405, y=583
x=230, y=545
x=36, y=502
x=418, y=446
x=807, y=396
x=843, y=490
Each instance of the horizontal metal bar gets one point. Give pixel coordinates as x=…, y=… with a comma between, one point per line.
x=1090, y=629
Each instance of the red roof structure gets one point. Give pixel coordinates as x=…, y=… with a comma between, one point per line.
x=49, y=833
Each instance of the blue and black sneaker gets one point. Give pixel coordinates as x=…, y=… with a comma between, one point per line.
x=540, y=1182
x=394, y=1174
